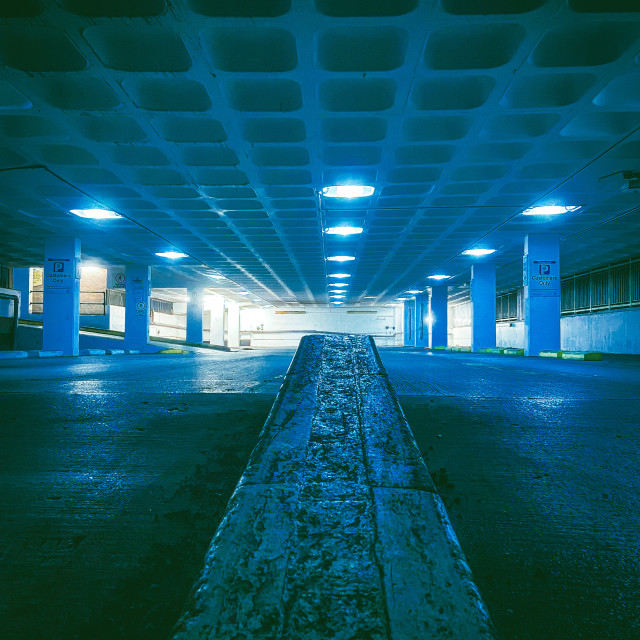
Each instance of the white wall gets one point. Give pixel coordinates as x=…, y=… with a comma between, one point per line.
x=267, y=328
x=607, y=331
x=459, y=325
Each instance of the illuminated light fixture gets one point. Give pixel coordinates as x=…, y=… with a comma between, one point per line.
x=343, y=231
x=549, y=210
x=348, y=191
x=340, y=258
x=439, y=276
x=414, y=292
x=243, y=293
x=402, y=298
x=172, y=255
x=338, y=284
x=96, y=214
x=339, y=275
x=337, y=295
x=478, y=252
x=369, y=298
x=337, y=302
x=215, y=276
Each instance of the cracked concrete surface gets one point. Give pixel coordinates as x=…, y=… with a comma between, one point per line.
x=335, y=529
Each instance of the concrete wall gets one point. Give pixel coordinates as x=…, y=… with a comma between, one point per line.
x=459, y=325
x=607, y=331
x=267, y=328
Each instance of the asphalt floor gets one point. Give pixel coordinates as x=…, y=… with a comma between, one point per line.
x=115, y=471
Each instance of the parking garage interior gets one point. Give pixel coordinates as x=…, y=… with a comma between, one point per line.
x=191, y=191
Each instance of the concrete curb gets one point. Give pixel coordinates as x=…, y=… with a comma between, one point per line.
x=13, y=355
x=572, y=355
x=92, y=352
x=335, y=528
x=44, y=354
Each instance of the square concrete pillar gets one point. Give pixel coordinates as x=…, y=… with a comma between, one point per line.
x=137, y=313
x=541, y=280
x=233, y=323
x=61, y=308
x=439, y=315
x=422, y=320
x=194, y=314
x=483, y=305
x=409, y=323
x=215, y=303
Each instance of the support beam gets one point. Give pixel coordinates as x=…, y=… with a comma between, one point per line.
x=409, y=323
x=438, y=315
x=61, y=309
x=136, y=319
x=483, y=306
x=194, y=314
x=541, y=280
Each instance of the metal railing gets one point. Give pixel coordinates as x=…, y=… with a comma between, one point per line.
x=16, y=306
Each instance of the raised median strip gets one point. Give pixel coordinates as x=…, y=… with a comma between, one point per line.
x=335, y=529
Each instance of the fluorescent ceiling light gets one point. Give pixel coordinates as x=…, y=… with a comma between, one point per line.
x=402, y=298
x=338, y=284
x=348, y=191
x=478, y=252
x=414, y=292
x=243, y=293
x=439, y=277
x=96, y=214
x=339, y=275
x=343, y=231
x=172, y=254
x=549, y=210
x=215, y=276
x=337, y=295
x=341, y=258
x=336, y=302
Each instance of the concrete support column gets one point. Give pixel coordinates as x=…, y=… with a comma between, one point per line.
x=483, y=306
x=61, y=317
x=422, y=320
x=216, y=325
x=438, y=315
x=194, y=314
x=136, y=314
x=410, y=323
x=541, y=280
x=233, y=323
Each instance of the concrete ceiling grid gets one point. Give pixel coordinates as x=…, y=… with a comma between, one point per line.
x=212, y=126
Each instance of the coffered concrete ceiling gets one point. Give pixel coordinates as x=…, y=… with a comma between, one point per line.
x=212, y=126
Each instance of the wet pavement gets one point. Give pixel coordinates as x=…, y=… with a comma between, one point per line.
x=114, y=472
x=537, y=463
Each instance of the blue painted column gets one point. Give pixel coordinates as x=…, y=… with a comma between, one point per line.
x=438, y=314
x=483, y=305
x=61, y=310
x=409, y=308
x=194, y=314
x=541, y=280
x=422, y=320
x=136, y=314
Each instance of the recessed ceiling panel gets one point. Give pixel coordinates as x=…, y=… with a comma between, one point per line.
x=38, y=49
x=473, y=46
x=363, y=49
x=138, y=48
x=250, y=49
x=357, y=94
